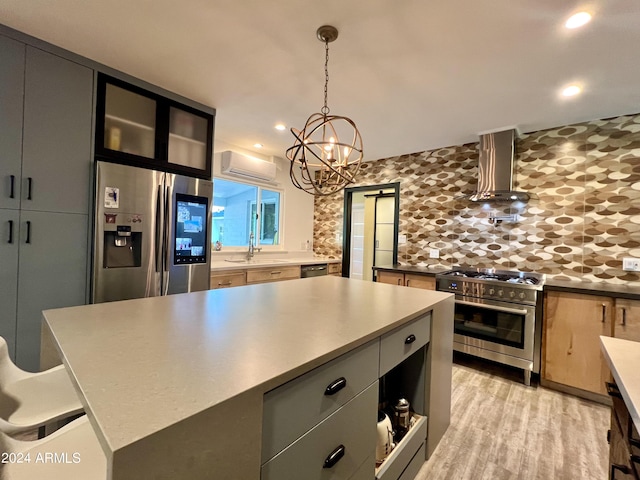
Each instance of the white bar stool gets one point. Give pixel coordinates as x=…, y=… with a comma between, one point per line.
x=70, y=453
x=32, y=400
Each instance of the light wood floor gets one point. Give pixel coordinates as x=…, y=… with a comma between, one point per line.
x=502, y=430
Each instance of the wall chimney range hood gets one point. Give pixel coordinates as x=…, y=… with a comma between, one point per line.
x=496, y=169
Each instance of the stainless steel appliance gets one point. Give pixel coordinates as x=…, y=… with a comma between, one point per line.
x=151, y=231
x=497, y=315
x=318, y=270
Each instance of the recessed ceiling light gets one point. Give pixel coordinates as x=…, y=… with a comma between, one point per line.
x=257, y=145
x=571, y=90
x=578, y=20
x=280, y=126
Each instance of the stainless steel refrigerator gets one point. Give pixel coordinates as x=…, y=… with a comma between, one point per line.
x=152, y=233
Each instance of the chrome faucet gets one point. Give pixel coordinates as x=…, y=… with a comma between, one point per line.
x=252, y=247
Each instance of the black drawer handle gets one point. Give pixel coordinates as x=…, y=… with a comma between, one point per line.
x=613, y=390
x=622, y=468
x=28, y=240
x=10, y=231
x=634, y=442
x=334, y=457
x=12, y=192
x=335, y=386
x=30, y=182
x=635, y=459
x=410, y=339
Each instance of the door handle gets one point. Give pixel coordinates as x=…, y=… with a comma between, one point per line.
x=167, y=228
x=30, y=185
x=28, y=240
x=10, y=231
x=12, y=187
x=410, y=339
x=604, y=312
x=334, y=456
x=335, y=386
x=158, y=255
x=624, y=316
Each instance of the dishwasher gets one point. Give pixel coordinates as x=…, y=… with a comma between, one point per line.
x=316, y=270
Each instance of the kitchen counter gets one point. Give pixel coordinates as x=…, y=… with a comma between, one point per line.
x=623, y=357
x=174, y=385
x=429, y=270
x=604, y=289
x=264, y=261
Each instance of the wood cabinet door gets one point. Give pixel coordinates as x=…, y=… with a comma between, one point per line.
x=573, y=324
x=390, y=277
x=420, y=281
x=627, y=319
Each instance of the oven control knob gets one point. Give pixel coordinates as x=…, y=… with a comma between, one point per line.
x=500, y=293
x=522, y=295
x=492, y=291
x=512, y=294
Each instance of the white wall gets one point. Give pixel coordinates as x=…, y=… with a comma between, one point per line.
x=297, y=221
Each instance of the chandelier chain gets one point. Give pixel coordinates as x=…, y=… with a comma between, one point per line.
x=325, y=108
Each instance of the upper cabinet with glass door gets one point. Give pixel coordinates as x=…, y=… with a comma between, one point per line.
x=138, y=127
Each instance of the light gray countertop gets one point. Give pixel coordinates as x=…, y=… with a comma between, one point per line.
x=623, y=357
x=220, y=264
x=144, y=365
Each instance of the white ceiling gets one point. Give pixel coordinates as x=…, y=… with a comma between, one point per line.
x=412, y=74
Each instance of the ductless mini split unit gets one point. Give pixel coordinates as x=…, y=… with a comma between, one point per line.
x=234, y=163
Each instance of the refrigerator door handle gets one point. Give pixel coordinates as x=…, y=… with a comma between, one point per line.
x=167, y=229
x=158, y=232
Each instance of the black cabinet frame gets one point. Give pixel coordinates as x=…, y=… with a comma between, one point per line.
x=161, y=144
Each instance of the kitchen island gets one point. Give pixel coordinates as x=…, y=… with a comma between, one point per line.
x=175, y=386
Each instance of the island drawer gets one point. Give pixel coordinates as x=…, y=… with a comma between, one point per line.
x=402, y=342
x=226, y=280
x=259, y=275
x=295, y=407
x=350, y=431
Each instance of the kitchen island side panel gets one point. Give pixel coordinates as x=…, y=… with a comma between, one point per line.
x=439, y=368
x=221, y=442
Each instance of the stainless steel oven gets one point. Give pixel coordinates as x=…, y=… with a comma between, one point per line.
x=497, y=316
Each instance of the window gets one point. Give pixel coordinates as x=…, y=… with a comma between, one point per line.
x=240, y=209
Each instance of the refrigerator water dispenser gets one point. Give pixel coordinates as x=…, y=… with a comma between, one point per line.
x=122, y=248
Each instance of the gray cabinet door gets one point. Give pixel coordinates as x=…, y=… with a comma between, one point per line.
x=56, y=156
x=11, y=93
x=52, y=274
x=8, y=276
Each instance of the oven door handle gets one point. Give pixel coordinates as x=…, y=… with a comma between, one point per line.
x=517, y=311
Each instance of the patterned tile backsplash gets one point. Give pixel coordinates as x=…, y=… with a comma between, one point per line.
x=582, y=219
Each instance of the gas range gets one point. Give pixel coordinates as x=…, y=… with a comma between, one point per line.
x=489, y=283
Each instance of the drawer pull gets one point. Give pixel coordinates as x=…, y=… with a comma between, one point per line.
x=410, y=339
x=635, y=443
x=335, y=386
x=11, y=191
x=613, y=390
x=622, y=468
x=224, y=284
x=635, y=459
x=334, y=457
x=276, y=273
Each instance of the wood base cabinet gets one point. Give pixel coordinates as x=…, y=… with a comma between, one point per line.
x=627, y=320
x=407, y=279
x=573, y=324
x=624, y=442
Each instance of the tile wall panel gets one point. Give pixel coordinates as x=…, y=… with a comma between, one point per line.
x=584, y=215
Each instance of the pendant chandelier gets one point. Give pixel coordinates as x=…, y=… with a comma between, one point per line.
x=327, y=152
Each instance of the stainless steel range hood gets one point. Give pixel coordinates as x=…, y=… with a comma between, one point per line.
x=496, y=168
